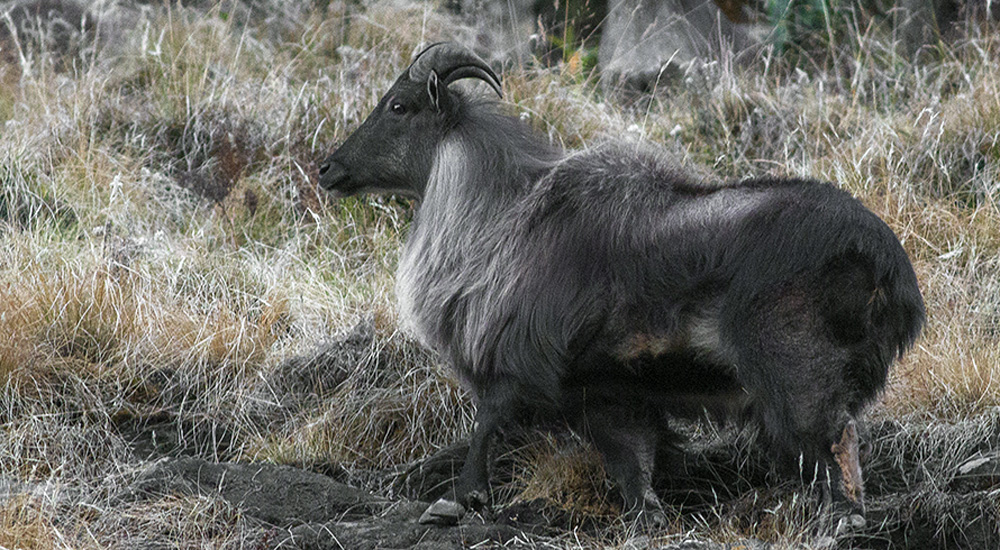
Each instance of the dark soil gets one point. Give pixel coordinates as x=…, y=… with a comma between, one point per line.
x=929, y=484
x=301, y=508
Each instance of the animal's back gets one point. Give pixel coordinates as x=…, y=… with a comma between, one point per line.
x=650, y=262
x=785, y=298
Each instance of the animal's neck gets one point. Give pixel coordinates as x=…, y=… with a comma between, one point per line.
x=479, y=177
x=482, y=168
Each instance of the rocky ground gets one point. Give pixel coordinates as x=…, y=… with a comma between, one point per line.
x=310, y=510
x=923, y=490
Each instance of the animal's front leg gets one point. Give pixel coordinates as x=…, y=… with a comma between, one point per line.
x=472, y=486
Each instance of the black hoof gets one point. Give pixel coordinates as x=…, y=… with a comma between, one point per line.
x=651, y=520
x=476, y=500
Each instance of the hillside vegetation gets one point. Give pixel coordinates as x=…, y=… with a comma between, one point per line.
x=167, y=259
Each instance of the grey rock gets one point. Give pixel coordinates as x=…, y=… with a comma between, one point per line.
x=502, y=30
x=399, y=528
x=921, y=23
x=929, y=518
x=647, y=44
x=163, y=433
x=319, y=373
x=442, y=512
x=978, y=473
x=64, y=29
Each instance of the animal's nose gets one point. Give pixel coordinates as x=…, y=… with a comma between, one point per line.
x=331, y=174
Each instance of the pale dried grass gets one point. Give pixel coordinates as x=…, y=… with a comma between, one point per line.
x=124, y=293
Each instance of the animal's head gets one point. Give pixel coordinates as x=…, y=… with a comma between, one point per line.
x=393, y=149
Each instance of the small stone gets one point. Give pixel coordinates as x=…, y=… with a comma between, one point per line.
x=443, y=512
x=824, y=543
x=980, y=473
x=850, y=524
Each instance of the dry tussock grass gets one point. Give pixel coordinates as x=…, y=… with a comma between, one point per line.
x=180, y=522
x=565, y=475
x=24, y=523
x=392, y=407
x=163, y=249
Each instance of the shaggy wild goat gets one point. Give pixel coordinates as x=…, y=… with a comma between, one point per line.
x=603, y=287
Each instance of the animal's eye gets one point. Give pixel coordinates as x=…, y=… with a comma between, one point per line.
x=397, y=108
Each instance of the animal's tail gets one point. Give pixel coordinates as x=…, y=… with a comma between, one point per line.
x=897, y=308
x=872, y=299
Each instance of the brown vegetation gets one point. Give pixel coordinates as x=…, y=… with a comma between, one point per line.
x=165, y=262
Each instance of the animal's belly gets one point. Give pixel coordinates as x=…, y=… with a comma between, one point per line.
x=681, y=383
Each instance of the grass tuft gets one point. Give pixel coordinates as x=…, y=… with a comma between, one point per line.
x=25, y=523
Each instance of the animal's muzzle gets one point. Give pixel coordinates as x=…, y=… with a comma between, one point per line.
x=332, y=175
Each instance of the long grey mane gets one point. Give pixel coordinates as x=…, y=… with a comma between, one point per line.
x=481, y=170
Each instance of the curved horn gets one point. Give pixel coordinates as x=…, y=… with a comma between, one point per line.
x=452, y=62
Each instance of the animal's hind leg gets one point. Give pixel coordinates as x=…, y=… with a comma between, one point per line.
x=802, y=393
x=847, y=453
x=628, y=446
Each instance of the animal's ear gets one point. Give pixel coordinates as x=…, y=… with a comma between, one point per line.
x=434, y=90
